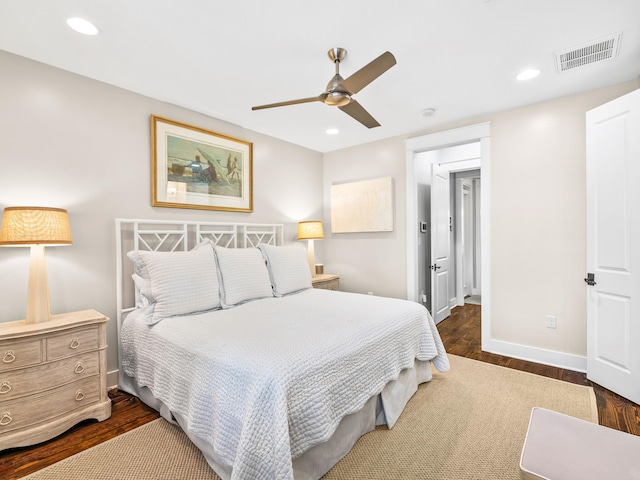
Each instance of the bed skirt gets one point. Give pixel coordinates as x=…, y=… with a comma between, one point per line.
x=382, y=409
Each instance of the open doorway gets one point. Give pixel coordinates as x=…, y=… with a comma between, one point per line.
x=418, y=239
x=449, y=204
x=467, y=229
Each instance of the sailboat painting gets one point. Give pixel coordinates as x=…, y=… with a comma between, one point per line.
x=196, y=168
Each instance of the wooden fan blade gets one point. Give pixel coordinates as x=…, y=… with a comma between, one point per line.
x=319, y=98
x=356, y=110
x=369, y=73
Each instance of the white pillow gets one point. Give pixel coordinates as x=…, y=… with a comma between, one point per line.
x=179, y=283
x=144, y=291
x=243, y=275
x=288, y=268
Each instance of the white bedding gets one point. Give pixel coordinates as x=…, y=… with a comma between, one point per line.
x=267, y=380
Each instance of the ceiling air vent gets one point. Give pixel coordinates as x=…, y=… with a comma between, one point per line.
x=597, y=51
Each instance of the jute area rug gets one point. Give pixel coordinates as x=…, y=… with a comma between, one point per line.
x=468, y=423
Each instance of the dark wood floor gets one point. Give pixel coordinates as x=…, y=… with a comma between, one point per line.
x=460, y=334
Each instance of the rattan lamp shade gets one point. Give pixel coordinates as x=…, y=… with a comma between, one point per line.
x=311, y=230
x=35, y=226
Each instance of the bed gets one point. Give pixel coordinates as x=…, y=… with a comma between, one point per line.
x=267, y=376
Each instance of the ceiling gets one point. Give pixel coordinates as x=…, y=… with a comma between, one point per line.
x=221, y=57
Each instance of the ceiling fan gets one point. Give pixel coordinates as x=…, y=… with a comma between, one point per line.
x=339, y=92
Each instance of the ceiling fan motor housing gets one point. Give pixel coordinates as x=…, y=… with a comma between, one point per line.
x=337, y=99
x=334, y=94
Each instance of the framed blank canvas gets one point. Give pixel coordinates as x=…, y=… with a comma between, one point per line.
x=362, y=206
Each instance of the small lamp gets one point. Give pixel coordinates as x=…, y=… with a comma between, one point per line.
x=36, y=227
x=311, y=230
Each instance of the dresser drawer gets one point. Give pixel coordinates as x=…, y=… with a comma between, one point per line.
x=20, y=353
x=22, y=412
x=333, y=285
x=32, y=380
x=328, y=285
x=72, y=342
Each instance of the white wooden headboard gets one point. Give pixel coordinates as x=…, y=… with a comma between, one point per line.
x=171, y=236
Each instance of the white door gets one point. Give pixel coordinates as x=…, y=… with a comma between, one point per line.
x=467, y=232
x=476, y=289
x=440, y=243
x=613, y=245
x=460, y=248
x=463, y=248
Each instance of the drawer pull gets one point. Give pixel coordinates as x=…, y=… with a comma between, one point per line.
x=6, y=419
x=79, y=395
x=9, y=357
x=5, y=387
x=74, y=344
x=79, y=368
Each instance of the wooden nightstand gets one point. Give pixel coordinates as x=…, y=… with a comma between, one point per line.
x=326, y=281
x=52, y=375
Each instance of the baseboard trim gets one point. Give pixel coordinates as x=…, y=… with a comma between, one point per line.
x=553, y=358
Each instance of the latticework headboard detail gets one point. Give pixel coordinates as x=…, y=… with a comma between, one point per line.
x=172, y=236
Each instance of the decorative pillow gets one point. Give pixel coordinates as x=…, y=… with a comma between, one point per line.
x=288, y=268
x=144, y=292
x=177, y=283
x=243, y=275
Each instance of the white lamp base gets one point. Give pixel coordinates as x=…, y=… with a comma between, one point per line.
x=311, y=258
x=38, y=309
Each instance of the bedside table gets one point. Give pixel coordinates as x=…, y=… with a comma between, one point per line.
x=326, y=281
x=52, y=375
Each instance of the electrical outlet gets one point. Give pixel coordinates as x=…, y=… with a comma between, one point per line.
x=551, y=321
x=369, y=293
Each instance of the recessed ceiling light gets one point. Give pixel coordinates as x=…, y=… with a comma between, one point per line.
x=83, y=26
x=428, y=112
x=528, y=74
x=332, y=131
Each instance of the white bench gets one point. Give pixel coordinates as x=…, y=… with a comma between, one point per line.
x=560, y=447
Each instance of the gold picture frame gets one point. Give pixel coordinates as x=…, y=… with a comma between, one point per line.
x=196, y=168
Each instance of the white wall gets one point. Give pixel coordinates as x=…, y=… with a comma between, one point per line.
x=423, y=179
x=537, y=220
x=368, y=262
x=71, y=142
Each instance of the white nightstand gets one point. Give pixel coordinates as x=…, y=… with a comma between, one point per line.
x=326, y=281
x=52, y=375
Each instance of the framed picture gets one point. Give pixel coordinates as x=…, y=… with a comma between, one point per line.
x=195, y=168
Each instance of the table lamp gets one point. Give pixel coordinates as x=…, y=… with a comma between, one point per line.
x=36, y=227
x=311, y=230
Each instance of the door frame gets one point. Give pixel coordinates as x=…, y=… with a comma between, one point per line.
x=480, y=132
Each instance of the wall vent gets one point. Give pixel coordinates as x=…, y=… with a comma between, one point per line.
x=597, y=51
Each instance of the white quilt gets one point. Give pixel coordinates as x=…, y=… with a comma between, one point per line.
x=267, y=380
